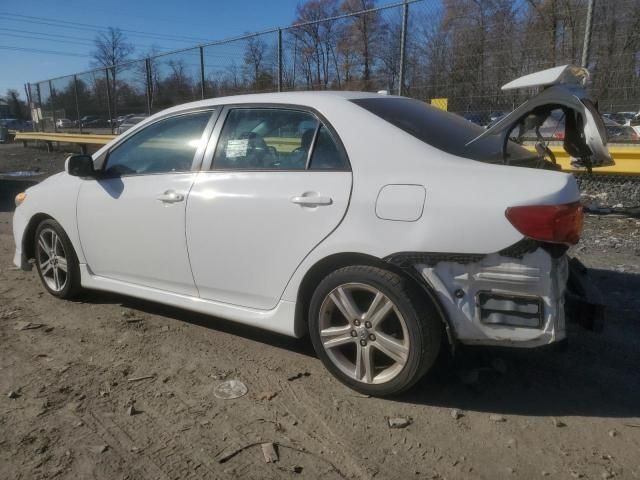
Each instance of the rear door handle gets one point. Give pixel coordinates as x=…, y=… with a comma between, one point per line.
x=171, y=196
x=312, y=201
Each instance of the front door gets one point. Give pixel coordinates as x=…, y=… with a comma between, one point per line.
x=279, y=184
x=131, y=219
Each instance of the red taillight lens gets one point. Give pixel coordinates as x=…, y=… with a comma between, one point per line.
x=548, y=223
x=558, y=136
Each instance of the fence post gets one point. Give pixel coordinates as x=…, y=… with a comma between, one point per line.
x=279, y=60
x=75, y=94
x=106, y=72
x=403, y=46
x=39, y=106
x=147, y=68
x=53, y=107
x=202, y=72
x=587, y=34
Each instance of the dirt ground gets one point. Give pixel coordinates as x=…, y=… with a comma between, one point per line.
x=485, y=414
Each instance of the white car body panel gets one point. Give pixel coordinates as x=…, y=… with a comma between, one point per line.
x=127, y=234
x=249, y=262
x=179, y=254
x=564, y=74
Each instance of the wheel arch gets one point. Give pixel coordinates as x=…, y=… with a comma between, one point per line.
x=28, y=237
x=328, y=264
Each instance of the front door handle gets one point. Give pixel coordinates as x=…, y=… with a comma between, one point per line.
x=311, y=201
x=171, y=196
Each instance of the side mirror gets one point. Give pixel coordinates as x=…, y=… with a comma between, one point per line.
x=80, y=166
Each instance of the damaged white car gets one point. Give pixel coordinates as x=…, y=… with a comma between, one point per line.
x=384, y=228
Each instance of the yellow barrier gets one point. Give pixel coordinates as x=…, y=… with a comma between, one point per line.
x=65, y=137
x=627, y=161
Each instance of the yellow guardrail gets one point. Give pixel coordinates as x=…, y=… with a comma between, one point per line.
x=84, y=139
x=627, y=158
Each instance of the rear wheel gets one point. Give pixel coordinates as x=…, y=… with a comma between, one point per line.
x=56, y=260
x=372, y=330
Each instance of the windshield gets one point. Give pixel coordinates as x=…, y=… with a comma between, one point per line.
x=443, y=130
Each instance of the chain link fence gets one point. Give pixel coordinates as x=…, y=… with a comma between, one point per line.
x=458, y=52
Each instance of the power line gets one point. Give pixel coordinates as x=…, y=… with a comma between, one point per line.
x=37, y=50
x=55, y=37
x=93, y=27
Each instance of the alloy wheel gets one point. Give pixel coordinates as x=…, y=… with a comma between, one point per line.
x=363, y=333
x=52, y=260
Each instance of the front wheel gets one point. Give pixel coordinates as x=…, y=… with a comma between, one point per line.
x=56, y=260
x=372, y=330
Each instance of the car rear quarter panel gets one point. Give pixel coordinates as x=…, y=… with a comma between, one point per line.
x=465, y=201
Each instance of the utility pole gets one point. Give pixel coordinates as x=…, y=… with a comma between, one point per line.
x=587, y=34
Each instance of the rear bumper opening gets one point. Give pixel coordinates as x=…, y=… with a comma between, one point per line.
x=512, y=298
x=519, y=297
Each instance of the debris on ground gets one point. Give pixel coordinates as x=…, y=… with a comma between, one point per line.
x=456, y=414
x=399, y=422
x=230, y=389
x=613, y=433
x=131, y=411
x=100, y=448
x=297, y=376
x=269, y=452
x=137, y=379
x=27, y=326
x=13, y=394
x=267, y=395
x=559, y=423
x=497, y=418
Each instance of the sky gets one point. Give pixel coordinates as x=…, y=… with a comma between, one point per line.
x=50, y=48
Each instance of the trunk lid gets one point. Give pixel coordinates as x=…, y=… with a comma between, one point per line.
x=585, y=135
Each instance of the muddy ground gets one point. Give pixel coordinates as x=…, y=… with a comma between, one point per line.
x=486, y=414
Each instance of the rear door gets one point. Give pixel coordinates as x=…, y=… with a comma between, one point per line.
x=585, y=135
x=278, y=182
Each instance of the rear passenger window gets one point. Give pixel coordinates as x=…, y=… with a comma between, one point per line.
x=265, y=139
x=326, y=154
x=276, y=139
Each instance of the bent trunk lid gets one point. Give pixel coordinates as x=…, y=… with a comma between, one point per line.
x=585, y=136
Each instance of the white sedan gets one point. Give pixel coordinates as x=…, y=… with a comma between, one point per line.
x=379, y=225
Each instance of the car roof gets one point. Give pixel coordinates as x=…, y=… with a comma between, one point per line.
x=307, y=98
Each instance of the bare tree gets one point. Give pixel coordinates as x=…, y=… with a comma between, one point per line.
x=17, y=107
x=112, y=49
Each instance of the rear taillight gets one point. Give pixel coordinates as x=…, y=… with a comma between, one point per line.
x=558, y=136
x=548, y=223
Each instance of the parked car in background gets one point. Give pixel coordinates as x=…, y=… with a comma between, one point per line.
x=553, y=129
x=620, y=133
x=64, y=123
x=483, y=118
x=635, y=123
x=93, y=121
x=294, y=212
x=129, y=122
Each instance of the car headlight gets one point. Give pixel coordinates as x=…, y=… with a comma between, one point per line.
x=21, y=197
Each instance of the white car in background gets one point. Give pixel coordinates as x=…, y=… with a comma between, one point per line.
x=64, y=123
x=379, y=225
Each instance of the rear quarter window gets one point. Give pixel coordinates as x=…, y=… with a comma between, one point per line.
x=443, y=130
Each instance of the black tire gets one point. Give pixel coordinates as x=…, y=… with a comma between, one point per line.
x=71, y=286
x=423, y=326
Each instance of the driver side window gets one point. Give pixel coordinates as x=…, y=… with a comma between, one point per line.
x=165, y=146
x=265, y=139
